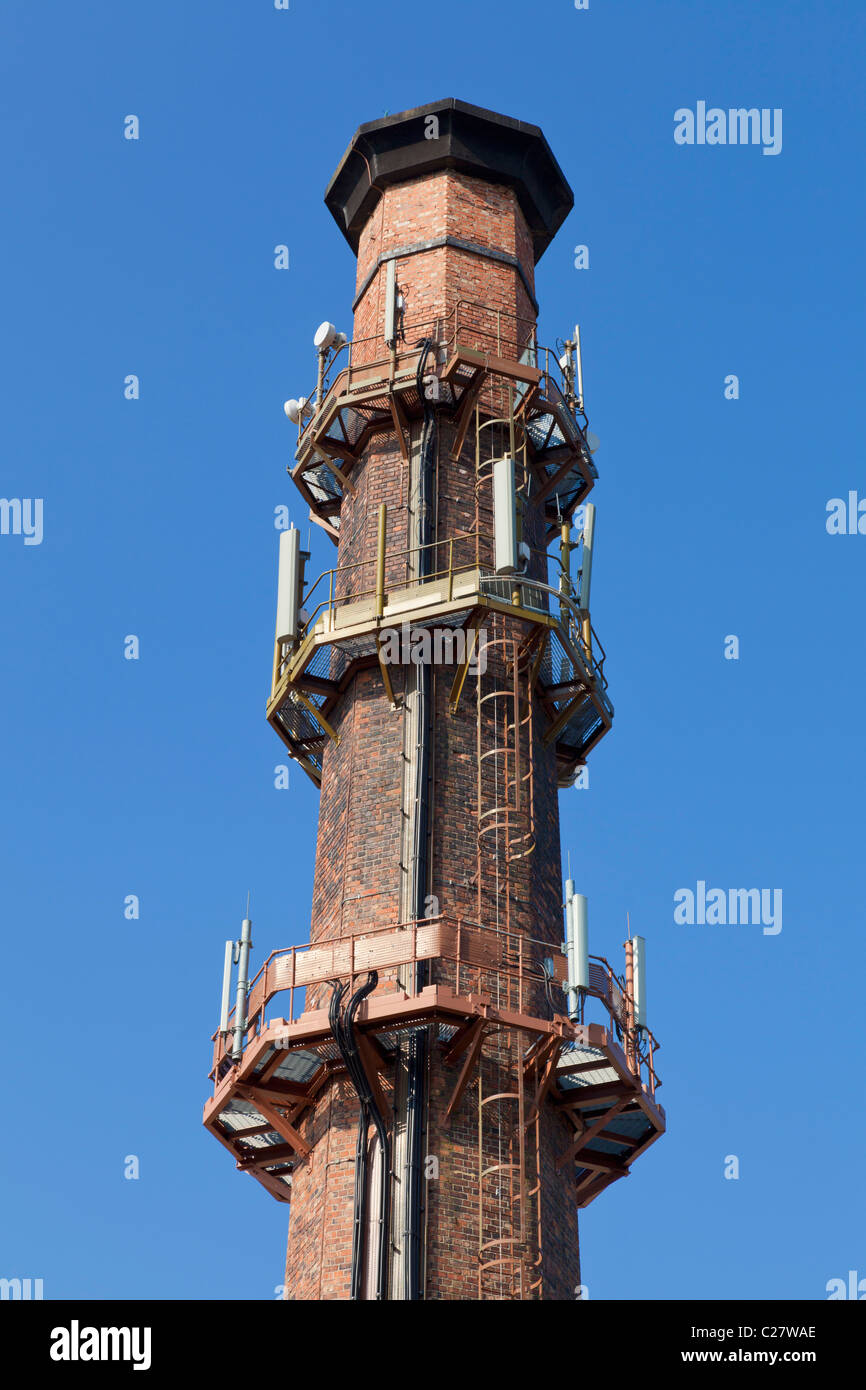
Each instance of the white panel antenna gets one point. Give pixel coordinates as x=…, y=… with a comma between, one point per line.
x=288, y=585
x=506, y=557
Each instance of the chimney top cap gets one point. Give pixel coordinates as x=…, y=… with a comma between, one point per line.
x=470, y=139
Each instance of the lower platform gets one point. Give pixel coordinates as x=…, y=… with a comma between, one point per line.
x=260, y=1100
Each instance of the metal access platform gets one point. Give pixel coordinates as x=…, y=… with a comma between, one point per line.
x=600, y=1075
x=561, y=650
x=479, y=351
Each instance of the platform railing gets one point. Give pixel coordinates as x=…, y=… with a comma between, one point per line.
x=469, y=325
x=334, y=590
x=481, y=958
x=338, y=595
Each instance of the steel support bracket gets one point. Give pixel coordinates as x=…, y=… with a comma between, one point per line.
x=468, y=1067
x=317, y=714
x=386, y=677
x=463, y=669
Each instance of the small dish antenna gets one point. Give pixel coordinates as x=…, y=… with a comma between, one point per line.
x=298, y=410
x=326, y=336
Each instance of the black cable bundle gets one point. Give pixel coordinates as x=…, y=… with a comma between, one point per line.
x=342, y=1022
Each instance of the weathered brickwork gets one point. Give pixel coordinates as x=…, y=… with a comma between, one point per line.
x=358, y=869
x=424, y=210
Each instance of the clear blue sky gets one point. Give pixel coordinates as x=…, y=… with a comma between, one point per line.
x=155, y=777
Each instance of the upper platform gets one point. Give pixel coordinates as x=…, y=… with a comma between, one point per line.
x=468, y=138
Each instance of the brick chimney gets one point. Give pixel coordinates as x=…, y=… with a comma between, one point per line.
x=463, y=202
x=432, y=1101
